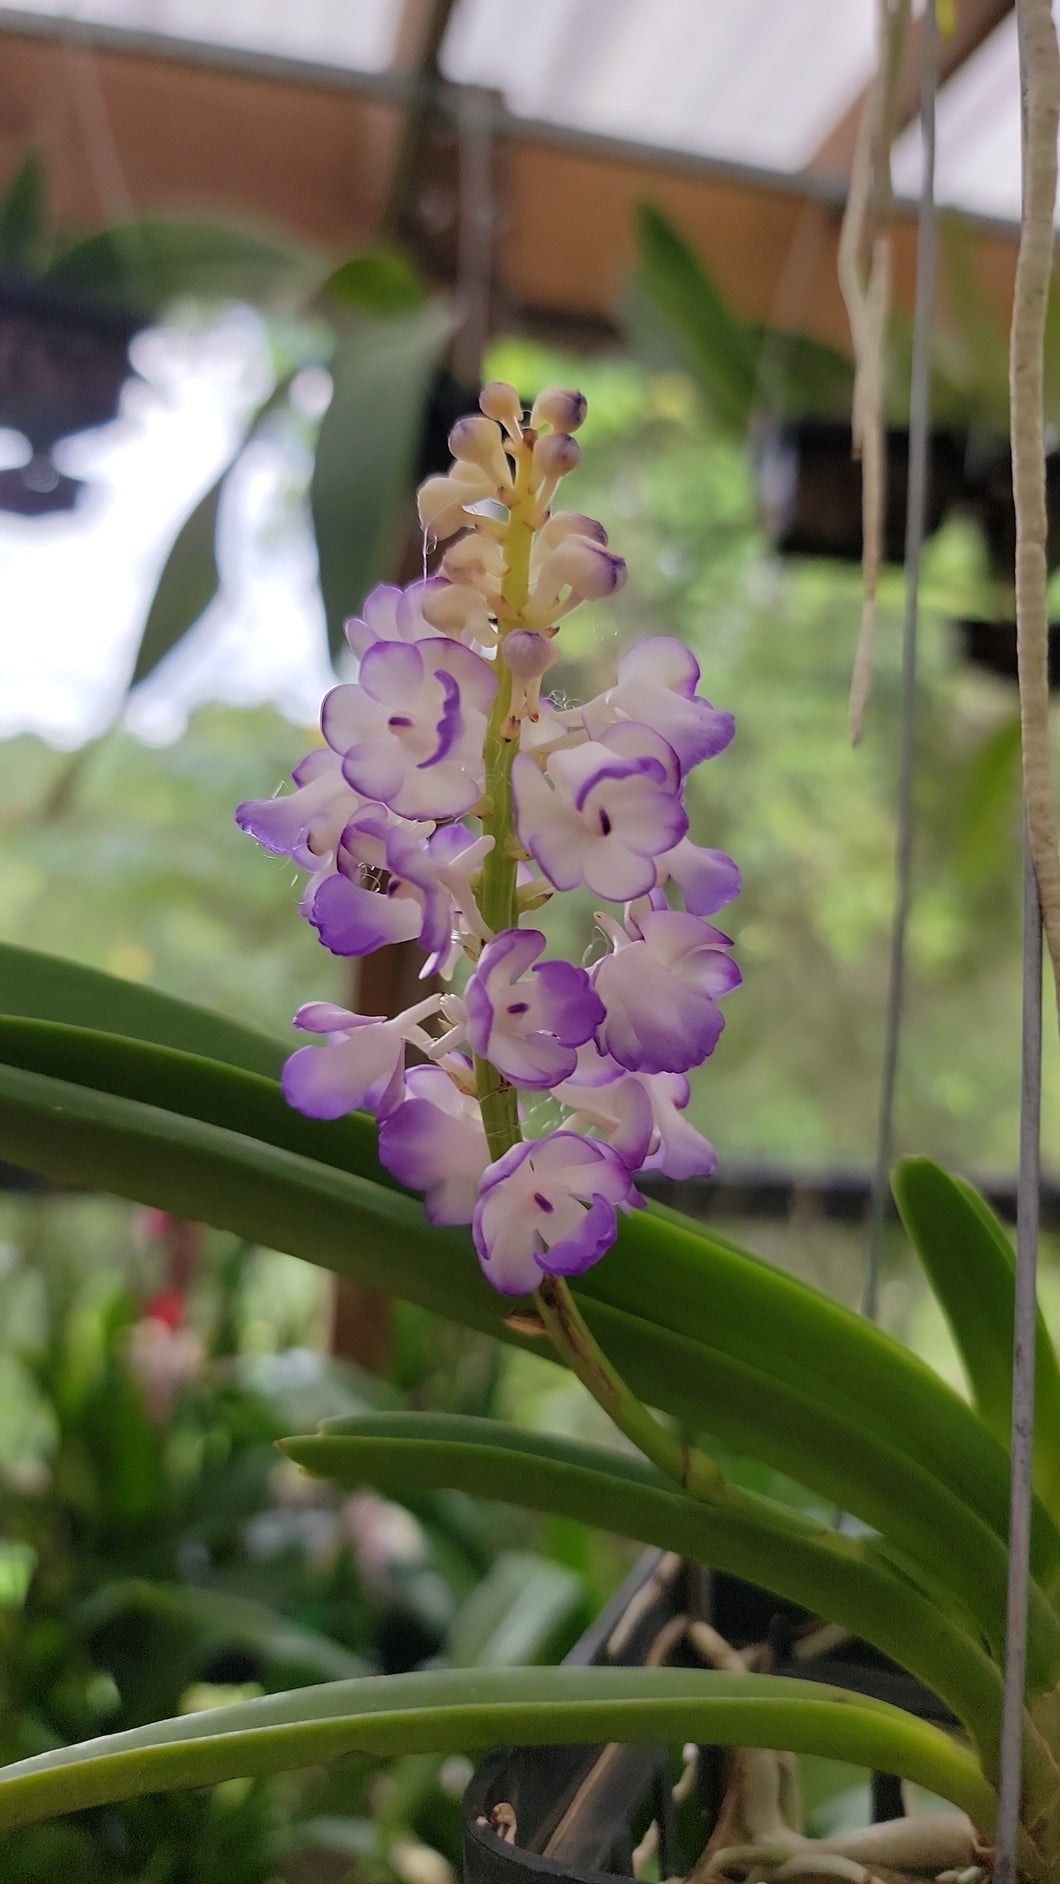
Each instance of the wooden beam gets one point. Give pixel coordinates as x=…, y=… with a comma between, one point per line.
x=123, y=131
x=975, y=21
x=569, y=243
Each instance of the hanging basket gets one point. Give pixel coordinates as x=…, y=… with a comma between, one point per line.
x=63, y=363
x=809, y=488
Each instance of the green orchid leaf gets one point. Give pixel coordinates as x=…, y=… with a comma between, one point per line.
x=382, y=282
x=517, y=1613
x=147, y=264
x=24, y=215
x=188, y=583
x=190, y=576
x=48, y=987
x=715, y=1294
x=451, y=1711
x=278, y=1193
x=189, y=1085
x=721, y=1298
x=770, y=1544
x=716, y=347
x=971, y=1266
x=220, y=1620
x=364, y=470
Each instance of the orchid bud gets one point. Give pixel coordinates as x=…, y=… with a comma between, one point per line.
x=568, y=523
x=529, y=654
x=441, y=500
x=500, y=401
x=457, y=609
x=554, y=456
x=475, y=441
x=559, y=407
x=587, y=568
x=474, y=559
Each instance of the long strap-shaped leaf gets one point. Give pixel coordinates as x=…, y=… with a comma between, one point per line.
x=454, y=1710
x=972, y=1270
x=47, y=987
x=777, y=1547
x=285, y=1200
x=742, y=1402
x=712, y=1291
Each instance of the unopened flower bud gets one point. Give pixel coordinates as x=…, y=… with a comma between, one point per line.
x=457, y=609
x=554, y=456
x=569, y=523
x=477, y=560
x=559, y=407
x=500, y=401
x=441, y=500
x=529, y=654
x=587, y=568
x=475, y=441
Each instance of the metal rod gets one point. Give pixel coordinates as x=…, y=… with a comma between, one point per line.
x=916, y=506
x=477, y=219
x=1023, y=1355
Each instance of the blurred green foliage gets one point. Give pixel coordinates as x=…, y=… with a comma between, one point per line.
x=157, y=1555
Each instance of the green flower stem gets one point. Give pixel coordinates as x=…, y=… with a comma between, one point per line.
x=497, y=899
x=690, y=1468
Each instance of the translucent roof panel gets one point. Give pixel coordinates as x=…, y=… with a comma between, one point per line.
x=753, y=82
x=977, y=163
x=715, y=79
x=357, y=34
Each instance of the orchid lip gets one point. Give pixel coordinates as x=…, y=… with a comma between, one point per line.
x=619, y=771
x=449, y=726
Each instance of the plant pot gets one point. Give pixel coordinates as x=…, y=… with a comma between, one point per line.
x=576, y=1811
x=63, y=363
x=809, y=488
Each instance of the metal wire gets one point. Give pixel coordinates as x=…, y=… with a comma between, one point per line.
x=916, y=506
x=1023, y=1345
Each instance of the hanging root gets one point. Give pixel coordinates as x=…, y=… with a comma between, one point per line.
x=1040, y=78
x=868, y=299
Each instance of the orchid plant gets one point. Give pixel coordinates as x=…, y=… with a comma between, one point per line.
x=450, y=801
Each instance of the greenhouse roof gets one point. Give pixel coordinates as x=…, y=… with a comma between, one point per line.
x=738, y=116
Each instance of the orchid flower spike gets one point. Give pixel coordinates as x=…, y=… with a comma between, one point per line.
x=452, y=797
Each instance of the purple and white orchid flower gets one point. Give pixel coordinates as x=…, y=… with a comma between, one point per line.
x=657, y=683
x=601, y=813
x=707, y=879
x=434, y=1142
x=411, y=730
x=661, y=987
x=363, y=1065
x=529, y=1021
x=305, y=824
x=428, y=888
x=393, y=614
x=549, y=1207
